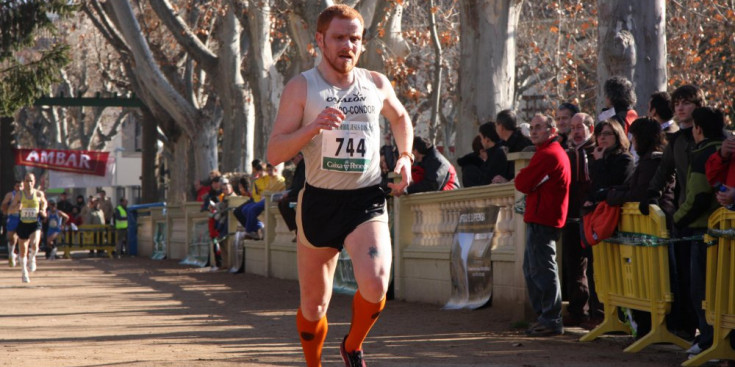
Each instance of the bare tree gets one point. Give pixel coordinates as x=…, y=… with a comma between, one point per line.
x=487, y=64
x=632, y=43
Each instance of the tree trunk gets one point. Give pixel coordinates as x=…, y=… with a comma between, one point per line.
x=148, y=184
x=632, y=43
x=178, y=175
x=487, y=64
x=389, y=42
x=7, y=163
x=237, y=143
x=204, y=146
x=437, y=82
x=267, y=82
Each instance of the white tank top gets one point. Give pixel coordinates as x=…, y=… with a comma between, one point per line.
x=347, y=158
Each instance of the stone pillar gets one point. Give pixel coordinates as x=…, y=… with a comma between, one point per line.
x=524, y=310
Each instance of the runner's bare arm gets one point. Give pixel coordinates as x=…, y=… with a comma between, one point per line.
x=42, y=203
x=15, y=204
x=400, y=124
x=289, y=136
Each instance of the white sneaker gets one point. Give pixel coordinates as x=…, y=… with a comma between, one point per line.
x=32, y=264
x=24, y=277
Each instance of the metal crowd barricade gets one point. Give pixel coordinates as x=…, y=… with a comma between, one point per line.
x=636, y=276
x=88, y=237
x=719, y=298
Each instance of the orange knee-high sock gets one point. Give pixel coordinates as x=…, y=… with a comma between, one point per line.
x=364, y=315
x=312, y=335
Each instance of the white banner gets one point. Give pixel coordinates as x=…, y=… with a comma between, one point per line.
x=59, y=179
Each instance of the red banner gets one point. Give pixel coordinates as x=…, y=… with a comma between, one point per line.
x=77, y=161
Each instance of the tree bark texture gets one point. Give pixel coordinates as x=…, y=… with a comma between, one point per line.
x=487, y=64
x=7, y=163
x=632, y=43
x=148, y=183
x=266, y=81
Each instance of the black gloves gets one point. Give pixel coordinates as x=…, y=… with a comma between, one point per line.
x=643, y=206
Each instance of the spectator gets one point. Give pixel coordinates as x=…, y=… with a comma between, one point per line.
x=700, y=202
x=493, y=163
x=619, y=101
x=470, y=163
x=80, y=204
x=563, y=121
x=75, y=218
x=106, y=205
x=212, y=198
x=243, y=186
x=96, y=215
x=547, y=176
x=508, y=131
x=721, y=172
x=659, y=109
x=272, y=182
x=675, y=161
x=86, y=212
x=64, y=204
x=288, y=202
x=575, y=259
x=649, y=141
x=258, y=171
x=612, y=164
x=439, y=174
x=121, y=227
x=200, y=190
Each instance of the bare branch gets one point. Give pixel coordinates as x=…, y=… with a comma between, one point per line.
x=183, y=34
x=106, y=28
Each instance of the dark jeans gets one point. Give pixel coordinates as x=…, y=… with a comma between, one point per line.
x=682, y=316
x=698, y=280
x=541, y=273
x=574, y=262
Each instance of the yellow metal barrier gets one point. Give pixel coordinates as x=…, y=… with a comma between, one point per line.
x=719, y=298
x=637, y=277
x=88, y=237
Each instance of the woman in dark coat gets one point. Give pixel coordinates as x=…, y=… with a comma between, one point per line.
x=612, y=165
x=649, y=141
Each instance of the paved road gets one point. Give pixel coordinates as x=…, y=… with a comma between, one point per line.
x=140, y=312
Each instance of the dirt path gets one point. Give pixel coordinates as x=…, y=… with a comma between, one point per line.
x=140, y=312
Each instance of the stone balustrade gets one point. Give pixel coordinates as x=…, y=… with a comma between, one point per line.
x=423, y=228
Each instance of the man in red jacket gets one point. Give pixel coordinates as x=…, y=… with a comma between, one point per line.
x=546, y=184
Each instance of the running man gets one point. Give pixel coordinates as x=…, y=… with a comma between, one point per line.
x=331, y=114
x=12, y=222
x=30, y=203
x=55, y=220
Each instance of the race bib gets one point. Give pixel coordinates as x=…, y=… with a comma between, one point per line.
x=53, y=223
x=29, y=213
x=345, y=151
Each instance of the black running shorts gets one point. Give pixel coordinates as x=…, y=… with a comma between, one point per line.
x=325, y=217
x=25, y=230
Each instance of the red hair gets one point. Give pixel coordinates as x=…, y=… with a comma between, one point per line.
x=338, y=11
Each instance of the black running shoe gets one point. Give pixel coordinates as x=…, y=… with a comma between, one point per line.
x=352, y=359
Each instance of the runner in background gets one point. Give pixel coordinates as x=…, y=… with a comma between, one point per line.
x=31, y=203
x=11, y=224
